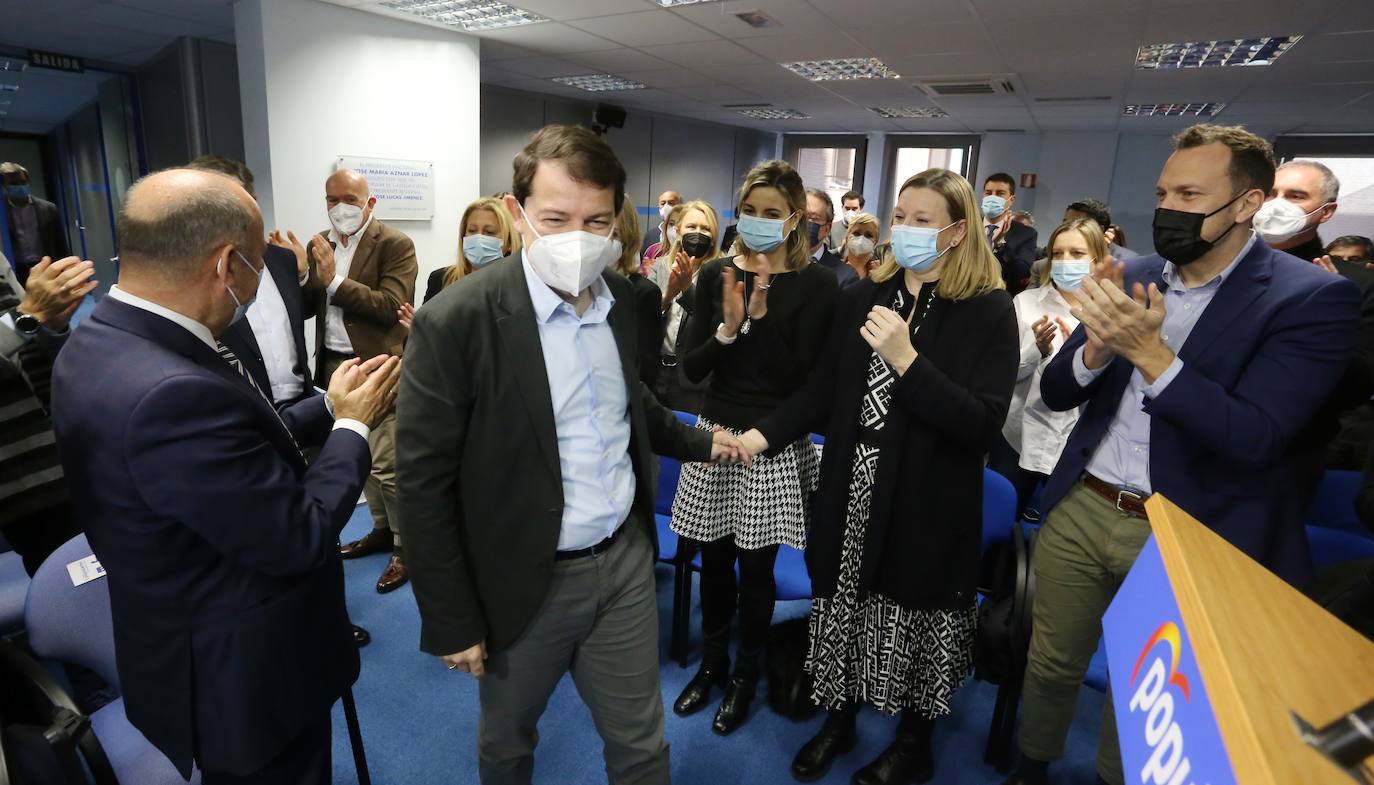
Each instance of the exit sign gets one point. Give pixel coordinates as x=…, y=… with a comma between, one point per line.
x=56, y=62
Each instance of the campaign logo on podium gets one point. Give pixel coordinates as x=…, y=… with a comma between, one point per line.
x=1169, y=734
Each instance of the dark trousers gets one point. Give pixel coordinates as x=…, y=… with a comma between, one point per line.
x=1005, y=461
x=305, y=761
x=34, y=537
x=753, y=594
x=674, y=391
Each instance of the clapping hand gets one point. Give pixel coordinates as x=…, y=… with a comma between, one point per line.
x=56, y=289
x=290, y=243
x=1044, y=331
x=365, y=391
x=890, y=336
x=405, y=315
x=732, y=295
x=1128, y=326
x=324, y=258
x=1326, y=264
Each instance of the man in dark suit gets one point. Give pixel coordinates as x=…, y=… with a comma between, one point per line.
x=1013, y=243
x=1197, y=367
x=35, y=224
x=225, y=582
x=361, y=272
x=526, y=473
x=820, y=216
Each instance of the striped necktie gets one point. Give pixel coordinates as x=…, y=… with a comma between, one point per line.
x=237, y=364
x=992, y=232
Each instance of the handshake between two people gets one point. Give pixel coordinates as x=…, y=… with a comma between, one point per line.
x=365, y=390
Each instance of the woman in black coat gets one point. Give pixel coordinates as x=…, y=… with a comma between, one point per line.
x=911, y=392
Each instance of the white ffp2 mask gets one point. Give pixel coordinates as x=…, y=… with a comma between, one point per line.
x=569, y=262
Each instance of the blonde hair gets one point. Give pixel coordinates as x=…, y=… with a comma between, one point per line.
x=712, y=221
x=627, y=232
x=1092, y=233
x=780, y=175
x=510, y=241
x=862, y=219
x=674, y=215
x=970, y=269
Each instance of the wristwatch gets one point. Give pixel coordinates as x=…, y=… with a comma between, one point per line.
x=26, y=324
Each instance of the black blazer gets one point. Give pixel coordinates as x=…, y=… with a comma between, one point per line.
x=648, y=304
x=478, y=475
x=925, y=521
x=1016, y=253
x=844, y=274
x=231, y=635
x=50, y=229
x=240, y=339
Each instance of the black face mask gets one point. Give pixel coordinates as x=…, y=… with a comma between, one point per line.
x=696, y=244
x=1178, y=234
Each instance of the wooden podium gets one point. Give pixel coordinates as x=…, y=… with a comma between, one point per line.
x=1212, y=660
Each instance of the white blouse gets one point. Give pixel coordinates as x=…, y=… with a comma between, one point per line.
x=1035, y=431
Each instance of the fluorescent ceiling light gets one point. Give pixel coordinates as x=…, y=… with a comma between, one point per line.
x=894, y=112
x=1214, y=54
x=599, y=83
x=832, y=70
x=671, y=3
x=471, y=15
x=1172, y=110
x=775, y=114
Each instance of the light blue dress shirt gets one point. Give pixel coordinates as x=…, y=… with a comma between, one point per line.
x=590, y=412
x=1123, y=456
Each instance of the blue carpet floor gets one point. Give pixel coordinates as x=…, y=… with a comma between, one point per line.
x=419, y=721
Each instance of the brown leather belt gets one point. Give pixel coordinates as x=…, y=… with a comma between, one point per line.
x=1126, y=501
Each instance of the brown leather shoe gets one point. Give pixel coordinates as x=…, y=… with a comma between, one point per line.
x=394, y=576
x=375, y=541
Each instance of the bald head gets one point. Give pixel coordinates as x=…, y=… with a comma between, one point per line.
x=173, y=221
x=347, y=182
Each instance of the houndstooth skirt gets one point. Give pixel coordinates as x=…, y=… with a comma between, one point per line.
x=764, y=504
x=872, y=648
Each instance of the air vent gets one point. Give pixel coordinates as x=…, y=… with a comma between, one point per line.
x=939, y=87
x=757, y=19
x=1073, y=99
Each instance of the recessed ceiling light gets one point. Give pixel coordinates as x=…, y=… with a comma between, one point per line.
x=1172, y=110
x=895, y=112
x=599, y=83
x=471, y=15
x=1214, y=54
x=775, y=114
x=844, y=69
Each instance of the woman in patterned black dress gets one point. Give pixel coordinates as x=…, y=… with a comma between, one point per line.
x=911, y=391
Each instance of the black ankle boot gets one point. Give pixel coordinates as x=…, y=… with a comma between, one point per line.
x=697, y=693
x=906, y=761
x=835, y=738
x=734, y=707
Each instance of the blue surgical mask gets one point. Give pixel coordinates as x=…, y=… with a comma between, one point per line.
x=1068, y=274
x=17, y=192
x=917, y=247
x=241, y=308
x=993, y=206
x=481, y=250
x=762, y=235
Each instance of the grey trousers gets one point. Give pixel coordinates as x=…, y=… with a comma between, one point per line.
x=599, y=621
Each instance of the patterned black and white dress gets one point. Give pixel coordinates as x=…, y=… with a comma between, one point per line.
x=761, y=505
x=869, y=647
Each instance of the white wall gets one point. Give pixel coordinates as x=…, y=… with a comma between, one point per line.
x=318, y=81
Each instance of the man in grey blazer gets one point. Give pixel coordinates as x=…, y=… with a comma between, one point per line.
x=525, y=446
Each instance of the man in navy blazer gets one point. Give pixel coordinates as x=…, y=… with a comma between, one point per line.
x=1197, y=367
x=220, y=544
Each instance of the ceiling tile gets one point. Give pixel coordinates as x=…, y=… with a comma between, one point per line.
x=794, y=17
x=909, y=16
x=550, y=38
x=616, y=61
x=716, y=52
x=544, y=67
x=645, y=28
x=786, y=49
x=563, y=10
x=668, y=77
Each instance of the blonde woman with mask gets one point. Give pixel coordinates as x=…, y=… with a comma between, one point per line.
x=697, y=236
x=758, y=324
x=911, y=391
x=860, y=243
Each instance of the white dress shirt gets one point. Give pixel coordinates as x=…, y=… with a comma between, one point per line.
x=272, y=329
x=590, y=411
x=203, y=334
x=1035, y=431
x=335, y=336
